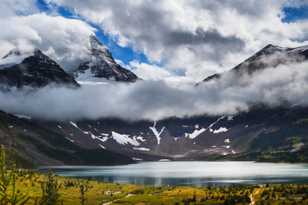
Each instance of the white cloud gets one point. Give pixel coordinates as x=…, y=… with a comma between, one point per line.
x=196, y=38
x=148, y=72
x=199, y=37
x=283, y=85
x=14, y=7
x=64, y=40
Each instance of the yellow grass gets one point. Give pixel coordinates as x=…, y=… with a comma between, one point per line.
x=110, y=193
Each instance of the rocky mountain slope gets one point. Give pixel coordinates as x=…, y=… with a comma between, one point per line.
x=262, y=134
x=37, y=143
x=33, y=69
x=100, y=66
x=269, y=56
x=265, y=134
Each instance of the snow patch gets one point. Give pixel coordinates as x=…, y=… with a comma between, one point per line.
x=102, y=139
x=220, y=130
x=74, y=124
x=69, y=139
x=84, y=132
x=141, y=149
x=297, y=147
x=137, y=159
x=195, y=133
x=22, y=116
x=164, y=160
x=93, y=136
x=124, y=139
x=214, y=123
x=139, y=138
x=156, y=132
x=102, y=146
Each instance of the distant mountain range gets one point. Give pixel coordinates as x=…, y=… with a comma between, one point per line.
x=35, y=69
x=269, y=56
x=264, y=134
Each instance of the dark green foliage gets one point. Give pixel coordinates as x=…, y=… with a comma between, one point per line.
x=83, y=188
x=237, y=199
x=50, y=189
x=9, y=194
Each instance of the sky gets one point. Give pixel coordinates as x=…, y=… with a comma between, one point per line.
x=161, y=39
x=171, y=44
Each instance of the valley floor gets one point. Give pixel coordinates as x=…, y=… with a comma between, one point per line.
x=41, y=189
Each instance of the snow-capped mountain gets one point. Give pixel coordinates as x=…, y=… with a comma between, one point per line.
x=32, y=68
x=260, y=134
x=269, y=56
x=100, y=66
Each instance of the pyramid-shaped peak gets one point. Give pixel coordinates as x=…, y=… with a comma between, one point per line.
x=95, y=43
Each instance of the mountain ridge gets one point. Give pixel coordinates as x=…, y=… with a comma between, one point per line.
x=261, y=134
x=258, y=61
x=33, y=69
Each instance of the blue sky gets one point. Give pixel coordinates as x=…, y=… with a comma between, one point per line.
x=295, y=13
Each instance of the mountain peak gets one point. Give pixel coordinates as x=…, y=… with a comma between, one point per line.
x=269, y=56
x=272, y=46
x=15, y=56
x=95, y=43
x=268, y=46
x=100, y=65
x=31, y=68
x=16, y=52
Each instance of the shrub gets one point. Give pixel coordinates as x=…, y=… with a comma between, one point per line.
x=50, y=189
x=9, y=194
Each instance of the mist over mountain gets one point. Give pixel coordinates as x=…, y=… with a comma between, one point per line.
x=270, y=56
x=104, y=109
x=279, y=84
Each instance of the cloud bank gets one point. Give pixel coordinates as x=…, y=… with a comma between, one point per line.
x=194, y=37
x=190, y=39
x=64, y=40
x=154, y=100
x=25, y=27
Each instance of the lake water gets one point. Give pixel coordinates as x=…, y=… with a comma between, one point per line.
x=191, y=173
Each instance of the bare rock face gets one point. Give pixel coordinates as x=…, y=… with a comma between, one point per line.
x=101, y=66
x=33, y=69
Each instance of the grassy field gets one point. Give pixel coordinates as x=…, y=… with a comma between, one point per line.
x=70, y=191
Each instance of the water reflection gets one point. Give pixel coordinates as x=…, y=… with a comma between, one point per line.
x=191, y=173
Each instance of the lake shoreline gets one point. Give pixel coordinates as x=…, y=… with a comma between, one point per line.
x=197, y=173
